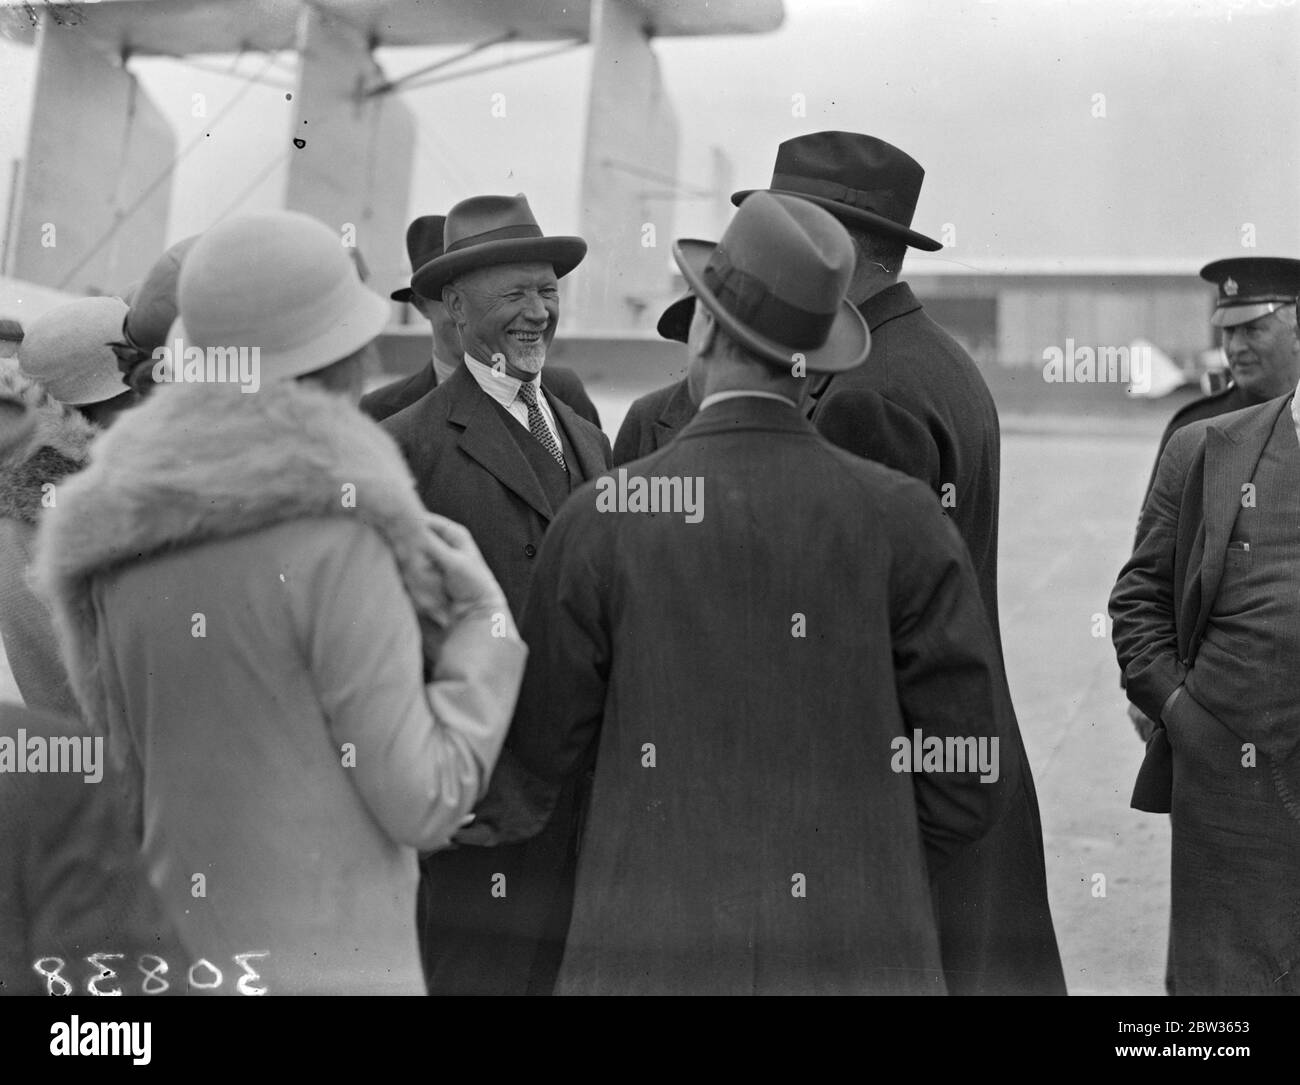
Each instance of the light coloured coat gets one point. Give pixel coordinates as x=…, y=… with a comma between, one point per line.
x=237, y=580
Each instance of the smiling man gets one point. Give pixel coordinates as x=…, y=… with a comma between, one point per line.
x=494, y=449
x=424, y=242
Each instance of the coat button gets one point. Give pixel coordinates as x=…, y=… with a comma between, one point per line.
x=530, y=551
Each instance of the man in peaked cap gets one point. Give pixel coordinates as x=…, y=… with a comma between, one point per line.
x=424, y=243
x=496, y=450
x=655, y=418
x=1207, y=631
x=743, y=659
x=1255, y=308
x=920, y=405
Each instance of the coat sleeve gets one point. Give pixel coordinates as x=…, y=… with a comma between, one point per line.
x=1173, y=427
x=949, y=675
x=562, y=703
x=1143, y=609
x=864, y=422
x=420, y=756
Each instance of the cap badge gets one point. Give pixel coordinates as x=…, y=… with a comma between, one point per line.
x=1230, y=287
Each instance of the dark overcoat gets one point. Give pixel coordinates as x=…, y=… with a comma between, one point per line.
x=749, y=830
x=652, y=421
x=563, y=384
x=469, y=467
x=920, y=405
x=1161, y=607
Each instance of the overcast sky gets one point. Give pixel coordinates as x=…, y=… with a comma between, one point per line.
x=997, y=100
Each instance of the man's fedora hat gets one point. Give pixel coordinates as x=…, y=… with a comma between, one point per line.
x=1251, y=287
x=775, y=284
x=861, y=180
x=487, y=230
x=423, y=243
x=675, y=321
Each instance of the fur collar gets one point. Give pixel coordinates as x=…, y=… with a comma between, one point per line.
x=202, y=462
x=57, y=446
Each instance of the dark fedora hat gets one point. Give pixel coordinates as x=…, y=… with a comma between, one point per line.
x=487, y=230
x=675, y=321
x=776, y=282
x=861, y=180
x=423, y=243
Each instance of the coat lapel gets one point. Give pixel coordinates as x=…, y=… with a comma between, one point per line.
x=591, y=454
x=1232, y=452
x=486, y=440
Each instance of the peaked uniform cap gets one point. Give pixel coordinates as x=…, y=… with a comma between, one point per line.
x=1250, y=287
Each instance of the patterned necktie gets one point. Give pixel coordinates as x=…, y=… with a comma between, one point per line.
x=537, y=424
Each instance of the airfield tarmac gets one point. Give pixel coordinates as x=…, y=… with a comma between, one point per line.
x=1071, y=488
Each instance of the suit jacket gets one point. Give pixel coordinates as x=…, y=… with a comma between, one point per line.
x=1165, y=594
x=767, y=697
x=1222, y=402
x=919, y=404
x=563, y=384
x=652, y=421
x=1234, y=882
x=468, y=467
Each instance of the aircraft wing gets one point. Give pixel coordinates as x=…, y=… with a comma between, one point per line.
x=188, y=27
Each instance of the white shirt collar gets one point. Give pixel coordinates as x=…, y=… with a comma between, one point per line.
x=736, y=393
x=497, y=383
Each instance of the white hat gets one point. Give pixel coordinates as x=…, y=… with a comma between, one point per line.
x=282, y=282
x=66, y=349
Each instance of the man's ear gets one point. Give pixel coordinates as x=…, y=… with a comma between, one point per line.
x=708, y=331
x=454, y=300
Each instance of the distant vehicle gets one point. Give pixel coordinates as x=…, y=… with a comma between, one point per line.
x=1156, y=374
